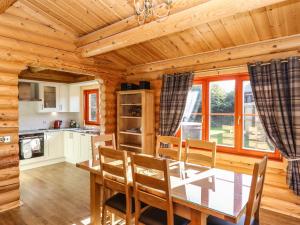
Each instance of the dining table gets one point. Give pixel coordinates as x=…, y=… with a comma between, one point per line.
x=197, y=192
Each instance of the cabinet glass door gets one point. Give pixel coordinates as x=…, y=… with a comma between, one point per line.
x=50, y=97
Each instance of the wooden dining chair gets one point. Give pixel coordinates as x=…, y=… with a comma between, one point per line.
x=102, y=140
x=153, y=190
x=173, y=147
x=198, y=157
x=114, y=168
x=251, y=216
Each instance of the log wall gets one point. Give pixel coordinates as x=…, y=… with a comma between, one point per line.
x=9, y=153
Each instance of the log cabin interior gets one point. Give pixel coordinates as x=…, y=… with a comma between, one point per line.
x=196, y=105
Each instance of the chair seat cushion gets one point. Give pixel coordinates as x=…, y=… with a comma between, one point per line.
x=118, y=202
x=211, y=220
x=155, y=216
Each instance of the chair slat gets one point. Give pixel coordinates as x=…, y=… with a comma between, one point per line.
x=152, y=200
x=151, y=182
x=108, y=168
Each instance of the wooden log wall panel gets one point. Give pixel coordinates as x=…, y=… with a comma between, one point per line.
x=111, y=105
x=9, y=152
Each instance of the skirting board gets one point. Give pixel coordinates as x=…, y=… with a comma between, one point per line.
x=41, y=163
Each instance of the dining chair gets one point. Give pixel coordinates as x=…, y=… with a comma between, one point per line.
x=114, y=168
x=251, y=216
x=102, y=139
x=153, y=188
x=198, y=157
x=172, y=148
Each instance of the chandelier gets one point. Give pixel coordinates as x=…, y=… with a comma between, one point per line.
x=148, y=10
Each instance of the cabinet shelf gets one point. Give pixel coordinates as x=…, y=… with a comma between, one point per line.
x=130, y=104
x=130, y=117
x=135, y=146
x=131, y=133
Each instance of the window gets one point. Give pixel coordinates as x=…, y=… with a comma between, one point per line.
x=91, y=105
x=254, y=136
x=221, y=116
x=223, y=110
x=191, y=124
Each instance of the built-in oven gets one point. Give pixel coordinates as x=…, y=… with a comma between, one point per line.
x=31, y=145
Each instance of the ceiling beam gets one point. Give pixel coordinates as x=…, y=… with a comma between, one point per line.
x=216, y=68
x=195, y=61
x=5, y=4
x=129, y=23
x=204, y=13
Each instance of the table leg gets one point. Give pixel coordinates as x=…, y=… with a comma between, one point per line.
x=198, y=218
x=94, y=200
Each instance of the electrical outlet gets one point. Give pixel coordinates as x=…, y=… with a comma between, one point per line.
x=5, y=139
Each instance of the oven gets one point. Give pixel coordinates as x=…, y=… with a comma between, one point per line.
x=31, y=145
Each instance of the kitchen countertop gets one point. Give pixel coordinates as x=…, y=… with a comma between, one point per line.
x=79, y=130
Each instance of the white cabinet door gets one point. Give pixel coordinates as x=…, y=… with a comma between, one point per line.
x=72, y=147
x=85, y=147
x=49, y=94
x=74, y=99
x=55, y=144
x=63, y=98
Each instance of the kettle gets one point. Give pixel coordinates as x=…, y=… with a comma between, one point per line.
x=57, y=124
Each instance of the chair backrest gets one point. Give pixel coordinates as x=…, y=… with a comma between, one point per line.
x=257, y=183
x=151, y=184
x=114, y=168
x=196, y=156
x=100, y=140
x=173, y=149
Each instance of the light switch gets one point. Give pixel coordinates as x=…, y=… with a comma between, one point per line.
x=5, y=139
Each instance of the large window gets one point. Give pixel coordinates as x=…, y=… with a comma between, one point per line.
x=223, y=111
x=91, y=103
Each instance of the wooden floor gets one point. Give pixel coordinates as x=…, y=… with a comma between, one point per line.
x=52, y=195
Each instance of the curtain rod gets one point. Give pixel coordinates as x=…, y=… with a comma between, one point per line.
x=283, y=61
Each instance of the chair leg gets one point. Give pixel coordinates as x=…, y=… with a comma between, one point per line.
x=104, y=211
x=112, y=218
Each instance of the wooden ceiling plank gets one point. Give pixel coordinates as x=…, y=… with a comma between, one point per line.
x=32, y=26
x=51, y=8
x=5, y=4
x=233, y=30
x=221, y=33
x=46, y=18
x=209, y=36
x=247, y=28
x=261, y=23
x=201, y=14
x=258, y=48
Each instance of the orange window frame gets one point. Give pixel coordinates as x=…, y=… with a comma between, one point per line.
x=86, y=94
x=238, y=117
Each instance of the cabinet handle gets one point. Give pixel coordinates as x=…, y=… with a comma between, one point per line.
x=42, y=106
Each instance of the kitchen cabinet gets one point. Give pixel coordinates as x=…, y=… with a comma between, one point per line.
x=49, y=94
x=77, y=147
x=54, y=147
x=74, y=98
x=63, y=98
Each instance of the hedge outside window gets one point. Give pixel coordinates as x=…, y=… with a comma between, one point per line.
x=91, y=107
x=222, y=109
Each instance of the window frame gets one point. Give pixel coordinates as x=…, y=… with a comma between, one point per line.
x=238, y=117
x=86, y=94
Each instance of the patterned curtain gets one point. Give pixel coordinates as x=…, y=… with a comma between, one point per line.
x=276, y=90
x=173, y=97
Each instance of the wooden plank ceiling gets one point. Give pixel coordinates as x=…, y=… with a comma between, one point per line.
x=81, y=17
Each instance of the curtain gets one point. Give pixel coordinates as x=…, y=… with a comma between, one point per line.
x=174, y=92
x=276, y=90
